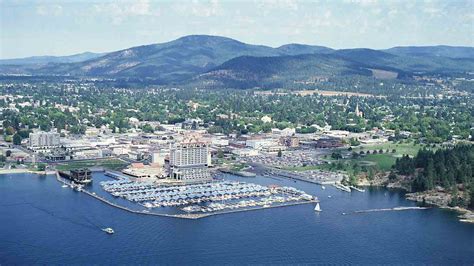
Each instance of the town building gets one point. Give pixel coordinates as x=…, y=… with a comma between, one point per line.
x=44, y=141
x=291, y=141
x=329, y=142
x=189, y=161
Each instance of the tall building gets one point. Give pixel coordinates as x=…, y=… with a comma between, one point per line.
x=189, y=161
x=41, y=140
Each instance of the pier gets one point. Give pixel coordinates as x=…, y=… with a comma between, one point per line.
x=342, y=187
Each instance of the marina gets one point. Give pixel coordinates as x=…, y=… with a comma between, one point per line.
x=204, y=198
x=193, y=201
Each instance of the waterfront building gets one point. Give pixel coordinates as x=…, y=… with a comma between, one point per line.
x=189, y=161
x=81, y=175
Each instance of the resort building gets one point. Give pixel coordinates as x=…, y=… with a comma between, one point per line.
x=189, y=161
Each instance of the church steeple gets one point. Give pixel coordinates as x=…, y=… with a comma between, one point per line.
x=357, y=112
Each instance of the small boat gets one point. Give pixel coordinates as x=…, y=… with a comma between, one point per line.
x=108, y=230
x=64, y=185
x=329, y=196
x=317, y=208
x=323, y=187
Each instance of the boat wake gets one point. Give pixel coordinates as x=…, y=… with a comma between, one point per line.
x=65, y=219
x=392, y=209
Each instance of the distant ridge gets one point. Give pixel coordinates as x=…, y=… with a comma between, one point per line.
x=438, y=50
x=51, y=59
x=205, y=59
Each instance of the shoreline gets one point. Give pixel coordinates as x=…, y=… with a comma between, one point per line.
x=466, y=215
x=25, y=171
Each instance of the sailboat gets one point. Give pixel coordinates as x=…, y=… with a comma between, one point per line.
x=317, y=208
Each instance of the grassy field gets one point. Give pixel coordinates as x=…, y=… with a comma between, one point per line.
x=113, y=164
x=404, y=148
x=383, y=161
x=302, y=168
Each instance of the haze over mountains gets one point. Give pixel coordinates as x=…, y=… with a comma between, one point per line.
x=222, y=61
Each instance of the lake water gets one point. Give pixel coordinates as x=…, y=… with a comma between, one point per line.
x=43, y=223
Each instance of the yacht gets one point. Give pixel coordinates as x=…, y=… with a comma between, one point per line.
x=317, y=208
x=108, y=230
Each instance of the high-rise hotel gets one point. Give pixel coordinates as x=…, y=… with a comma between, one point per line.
x=189, y=161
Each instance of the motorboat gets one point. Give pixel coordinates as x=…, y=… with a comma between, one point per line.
x=108, y=230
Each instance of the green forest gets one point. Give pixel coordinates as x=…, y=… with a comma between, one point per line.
x=451, y=169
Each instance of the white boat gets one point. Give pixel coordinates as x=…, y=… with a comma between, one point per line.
x=64, y=185
x=317, y=208
x=108, y=230
x=323, y=187
x=329, y=196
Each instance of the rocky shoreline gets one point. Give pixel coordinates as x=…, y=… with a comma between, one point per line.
x=437, y=197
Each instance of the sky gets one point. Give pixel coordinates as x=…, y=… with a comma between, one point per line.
x=53, y=27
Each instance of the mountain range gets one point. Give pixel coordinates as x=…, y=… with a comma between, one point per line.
x=203, y=59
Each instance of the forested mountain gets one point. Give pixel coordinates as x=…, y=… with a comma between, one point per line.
x=172, y=61
x=219, y=61
x=247, y=71
x=297, y=49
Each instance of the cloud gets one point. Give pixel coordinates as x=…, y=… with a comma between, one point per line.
x=268, y=5
x=433, y=11
x=198, y=8
x=121, y=9
x=205, y=8
x=49, y=10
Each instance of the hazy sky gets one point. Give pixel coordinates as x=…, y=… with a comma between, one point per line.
x=72, y=26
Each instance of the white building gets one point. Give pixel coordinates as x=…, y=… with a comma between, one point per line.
x=158, y=158
x=44, y=140
x=260, y=143
x=189, y=161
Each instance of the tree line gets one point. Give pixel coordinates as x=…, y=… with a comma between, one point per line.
x=448, y=168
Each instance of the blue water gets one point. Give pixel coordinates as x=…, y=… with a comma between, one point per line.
x=41, y=222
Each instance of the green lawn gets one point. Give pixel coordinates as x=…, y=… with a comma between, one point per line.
x=302, y=168
x=113, y=164
x=404, y=148
x=383, y=161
